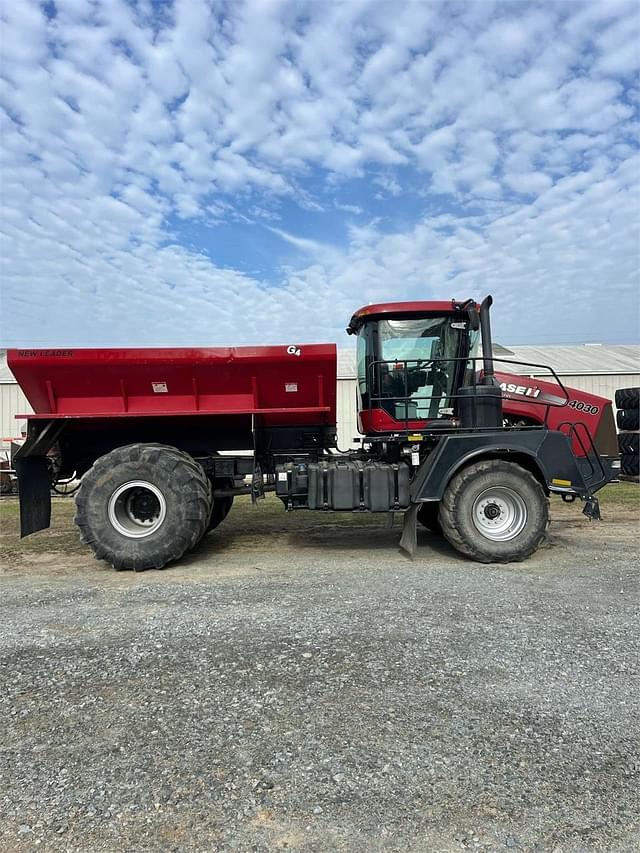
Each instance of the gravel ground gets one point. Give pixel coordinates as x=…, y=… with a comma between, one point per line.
x=314, y=690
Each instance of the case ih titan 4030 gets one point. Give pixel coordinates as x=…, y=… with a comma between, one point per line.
x=163, y=438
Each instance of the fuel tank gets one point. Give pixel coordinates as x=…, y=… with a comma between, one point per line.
x=284, y=385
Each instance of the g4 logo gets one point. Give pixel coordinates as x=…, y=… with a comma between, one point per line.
x=293, y=350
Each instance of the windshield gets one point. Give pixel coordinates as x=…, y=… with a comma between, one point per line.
x=412, y=364
x=417, y=340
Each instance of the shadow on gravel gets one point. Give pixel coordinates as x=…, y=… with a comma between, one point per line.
x=327, y=537
x=366, y=539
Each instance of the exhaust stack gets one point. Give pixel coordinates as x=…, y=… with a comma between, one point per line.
x=488, y=377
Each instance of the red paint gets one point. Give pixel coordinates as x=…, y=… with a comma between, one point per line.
x=220, y=381
x=550, y=404
x=379, y=420
x=242, y=380
x=517, y=406
x=421, y=308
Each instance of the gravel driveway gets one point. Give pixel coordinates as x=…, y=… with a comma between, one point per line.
x=316, y=691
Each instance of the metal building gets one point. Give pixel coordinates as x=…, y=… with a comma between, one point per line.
x=346, y=398
x=12, y=403
x=596, y=368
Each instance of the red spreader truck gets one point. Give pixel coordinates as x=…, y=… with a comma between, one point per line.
x=163, y=439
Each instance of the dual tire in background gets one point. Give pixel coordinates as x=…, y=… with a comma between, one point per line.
x=628, y=421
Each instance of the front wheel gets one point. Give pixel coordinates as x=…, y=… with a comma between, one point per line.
x=494, y=512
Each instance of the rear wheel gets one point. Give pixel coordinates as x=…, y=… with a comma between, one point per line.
x=494, y=512
x=221, y=506
x=143, y=506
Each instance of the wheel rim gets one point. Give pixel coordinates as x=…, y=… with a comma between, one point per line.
x=499, y=513
x=137, y=509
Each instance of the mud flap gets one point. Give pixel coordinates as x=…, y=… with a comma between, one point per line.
x=257, y=484
x=409, y=538
x=34, y=489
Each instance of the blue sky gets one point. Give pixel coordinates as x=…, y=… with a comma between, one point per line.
x=229, y=173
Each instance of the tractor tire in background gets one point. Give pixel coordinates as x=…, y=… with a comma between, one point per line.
x=630, y=464
x=628, y=443
x=494, y=512
x=143, y=506
x=428, y=516
x=628, y=419
x=628, y=398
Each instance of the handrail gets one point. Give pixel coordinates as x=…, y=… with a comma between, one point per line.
x=545, y=400
x=588, y=455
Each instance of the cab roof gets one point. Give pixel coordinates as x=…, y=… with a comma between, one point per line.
x=407, y=309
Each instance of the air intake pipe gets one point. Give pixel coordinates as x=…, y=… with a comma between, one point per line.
x=480, y=406
x=488, y=372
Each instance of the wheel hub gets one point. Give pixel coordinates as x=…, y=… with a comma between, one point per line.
x=144, y=506
x=492, y=511
x=499, y=513
x=137, y=509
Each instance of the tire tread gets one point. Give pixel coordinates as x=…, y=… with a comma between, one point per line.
x=450, y=510
x=628, y=419
x=628, y=443
x=197, y=497
x=628, y=398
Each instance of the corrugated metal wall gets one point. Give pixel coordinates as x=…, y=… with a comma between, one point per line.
x=604, y=385
x=12, y=403
x=346, y=407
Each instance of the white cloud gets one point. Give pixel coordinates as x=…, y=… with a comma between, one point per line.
x=528, y=183
x=314, y=247
x=389, y=184
x=348, y=208
x=129, y=139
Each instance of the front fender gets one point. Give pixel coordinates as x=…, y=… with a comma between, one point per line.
x=549, y=451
